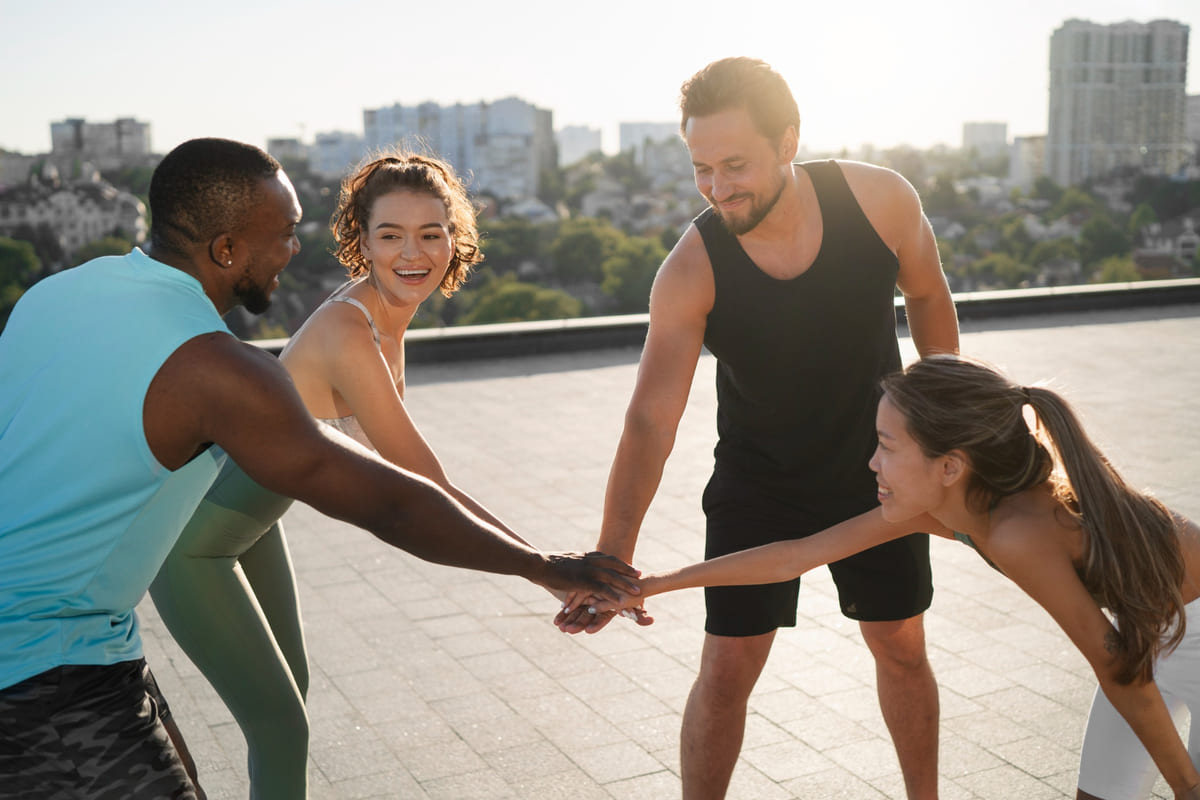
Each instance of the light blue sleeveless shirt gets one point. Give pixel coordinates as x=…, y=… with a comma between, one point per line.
x=87, y=514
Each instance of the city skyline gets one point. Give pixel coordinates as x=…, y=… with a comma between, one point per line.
x=892, y=74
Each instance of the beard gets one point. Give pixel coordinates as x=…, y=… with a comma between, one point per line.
x=253, y=297
x=757, y=213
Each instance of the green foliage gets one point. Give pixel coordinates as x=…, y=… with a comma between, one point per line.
x=1167, y=198
x=19, y=264
x=19, y=269
x=1142, y=216
x=510, y=300
x=629, y=273
x=106, y=246
x=1001, y=269
x=45, y=243
x=1051, y=249
x=942, y=198
x=1071, y=201
x=581, y=248
x=1099, y=239
x=1116, y=269
x=1046, y=189
x=508, y=243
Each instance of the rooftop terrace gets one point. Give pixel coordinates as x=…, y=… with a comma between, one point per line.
x=429, y=682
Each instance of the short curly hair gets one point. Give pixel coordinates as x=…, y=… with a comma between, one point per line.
x=393, y=171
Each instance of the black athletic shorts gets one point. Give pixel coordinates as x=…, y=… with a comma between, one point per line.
x=87, y=731
x=886, y=583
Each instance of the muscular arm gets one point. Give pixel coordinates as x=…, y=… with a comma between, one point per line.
x=216, y=389
x=894, y=210
x=679, y=304
x=1044, y=571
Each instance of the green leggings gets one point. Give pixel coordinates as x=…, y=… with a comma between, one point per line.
x=228, y=595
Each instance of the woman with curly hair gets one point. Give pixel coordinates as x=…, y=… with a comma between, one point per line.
x=404, y=228
x=958, y=456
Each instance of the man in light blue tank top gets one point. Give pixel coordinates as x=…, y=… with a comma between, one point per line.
x=116, y=378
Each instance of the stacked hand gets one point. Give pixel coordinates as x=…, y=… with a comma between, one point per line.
x=594, y=575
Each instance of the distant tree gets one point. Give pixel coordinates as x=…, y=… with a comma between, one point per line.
x=629, y=273
x=508, y=243
x=19, y=264
x=1051, y=249
x=19, y=269
x=1142, y=216
x=1072, y=200
x=1001, y=269
x=1116, y=269
x=46, y=244
x=1169, y=198
x=1044, y=188
x=106, y=246
x=1099, y=239
x=942, y=197
x=581, y=248
x=1014, y=237
x=510, y=300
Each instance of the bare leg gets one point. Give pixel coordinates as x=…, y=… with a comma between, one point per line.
x=714, y=720
x=908, y=698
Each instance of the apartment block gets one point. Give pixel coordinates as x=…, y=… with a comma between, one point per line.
x=1117, y=99
x=502, y=147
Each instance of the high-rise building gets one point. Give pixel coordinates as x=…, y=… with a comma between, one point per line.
x=502, y=146
x=987, y=139
x=1116, y=99
x=1026, y=161
x=635, y=135
x=575, y=142
x=1191, y=128
x=106, y=145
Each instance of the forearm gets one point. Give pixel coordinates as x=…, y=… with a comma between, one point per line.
x=636, y=473
x=1143, y=708
x=932, y=323
x=781, y=561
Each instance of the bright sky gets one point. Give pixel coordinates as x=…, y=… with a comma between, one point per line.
x=883, y=72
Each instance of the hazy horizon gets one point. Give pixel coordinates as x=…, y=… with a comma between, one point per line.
x=889, y=74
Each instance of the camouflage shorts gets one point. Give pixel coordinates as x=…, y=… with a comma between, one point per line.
x=92, y=732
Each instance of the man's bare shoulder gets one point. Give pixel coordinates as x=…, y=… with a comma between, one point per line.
x=685, y=279
x=872, y=178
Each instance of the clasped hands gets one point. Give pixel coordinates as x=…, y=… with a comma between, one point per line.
x=592, y=608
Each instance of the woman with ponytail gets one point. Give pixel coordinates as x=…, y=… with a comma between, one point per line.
x=960, y=455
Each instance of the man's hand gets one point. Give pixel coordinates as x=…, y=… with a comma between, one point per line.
x=592, y=573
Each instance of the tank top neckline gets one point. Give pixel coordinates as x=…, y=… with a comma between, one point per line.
x=820, y=190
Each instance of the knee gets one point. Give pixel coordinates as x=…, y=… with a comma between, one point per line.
x=729, y=668
x=897, y=646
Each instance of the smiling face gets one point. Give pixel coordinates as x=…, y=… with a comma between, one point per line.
x=910, y=483
x=269, y=235
x=408, y=244
x=738, y=170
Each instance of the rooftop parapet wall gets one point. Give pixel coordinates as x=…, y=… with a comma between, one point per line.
x=514, y=339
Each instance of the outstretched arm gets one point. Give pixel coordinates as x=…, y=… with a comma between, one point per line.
x=216, y=389
x=781, y=561
x=680, y=300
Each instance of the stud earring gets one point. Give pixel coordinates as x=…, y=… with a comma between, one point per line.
x=230, y=262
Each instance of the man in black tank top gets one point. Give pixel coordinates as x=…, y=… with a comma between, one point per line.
x=788, y=279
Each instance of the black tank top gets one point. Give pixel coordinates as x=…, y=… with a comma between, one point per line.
x=799, y=360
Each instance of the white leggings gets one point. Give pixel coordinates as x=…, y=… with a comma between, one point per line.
x=1114, y=765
